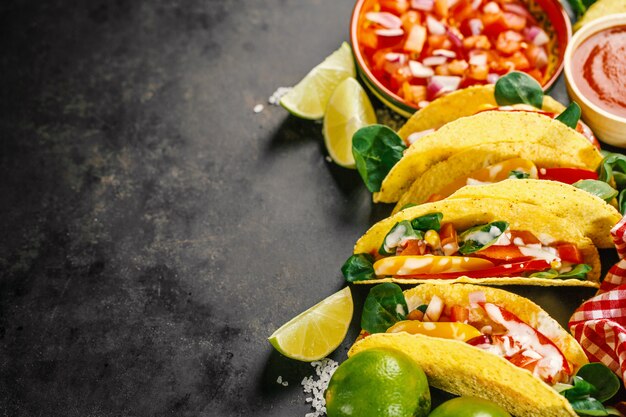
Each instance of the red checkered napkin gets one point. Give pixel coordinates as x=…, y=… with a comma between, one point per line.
x=599, y=324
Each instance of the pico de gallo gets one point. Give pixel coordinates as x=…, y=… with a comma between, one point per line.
x=427, y=248
x=422, y=49
x=490, y=327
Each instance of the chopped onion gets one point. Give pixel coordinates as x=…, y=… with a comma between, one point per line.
x=491, y=8
x=423, y=104
x=479, y=59
x=476, y=26
x=420, y=71
x=434, y=309
x=492, y=78
x=540, y=37
x=476, y=4
x=386, y=19
x=394, y=57
x=441, y=84
x=516, y=8
x=541, y=58
x=455, y=39
x=434, y=26
x=389, y=32
x=433, y=61
x=445, y=52
x=424, y=5
x=417, y=135
x=477, y=297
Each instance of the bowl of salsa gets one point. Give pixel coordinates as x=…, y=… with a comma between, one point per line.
x=595, y=75
x=410, y=52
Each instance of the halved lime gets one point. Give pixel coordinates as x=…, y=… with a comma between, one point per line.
x=308, y=99
x=349, y=109
x=314, y=334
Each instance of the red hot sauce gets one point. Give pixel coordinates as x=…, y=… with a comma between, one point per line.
x=599, y=69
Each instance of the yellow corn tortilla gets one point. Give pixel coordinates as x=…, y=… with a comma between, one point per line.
x=461, y=103
x=464, y=213
x=486, y=128
x=592, y=215
x=600, y=9
x=465, y=162
x=462, y=369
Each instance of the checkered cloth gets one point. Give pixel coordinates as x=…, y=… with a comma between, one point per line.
x=599, y=324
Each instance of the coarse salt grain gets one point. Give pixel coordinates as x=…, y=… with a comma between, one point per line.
x=324, y=369
x=258, y=108
x=278, y=94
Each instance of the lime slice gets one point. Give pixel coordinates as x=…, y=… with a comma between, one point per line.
x=349, y=109
x=309, y=97
x=314, y=334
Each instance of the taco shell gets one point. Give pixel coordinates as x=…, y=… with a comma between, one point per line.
x=592, y=215
x=461, y=103
x=486, y=128
x=464, y=213
x=459, y=368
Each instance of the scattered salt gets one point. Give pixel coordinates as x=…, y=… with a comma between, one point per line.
x=324, y=369
x=258, y=108
x=277, y=95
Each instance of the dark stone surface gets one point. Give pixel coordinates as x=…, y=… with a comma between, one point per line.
x=155, y=230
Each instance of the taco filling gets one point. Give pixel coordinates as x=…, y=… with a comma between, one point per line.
x=492, y=328
x=425, y=247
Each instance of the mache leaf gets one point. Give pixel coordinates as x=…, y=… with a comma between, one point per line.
x=598, y=188
x=376, y=149
x=602, y=378
x=359, y=267
x=384, y=306
x=518, y=88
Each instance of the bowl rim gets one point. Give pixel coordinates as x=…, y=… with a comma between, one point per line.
x=362, y=66
x=586, y=31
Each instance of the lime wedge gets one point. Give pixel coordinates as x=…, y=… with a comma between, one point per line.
x=349, y=109
x=309, y=97
x=314, y=334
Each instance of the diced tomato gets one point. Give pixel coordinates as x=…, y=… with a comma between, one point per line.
x=368, y=39
x=414, y=93
x=394, y=6
x=509, y=42
x=568, y=252
x=493, y=23
x=536, y=74
x=436, y=41
x=567, y=175
x=410, y=19
x=522, y=361
x=525, y=237
x=519, y=61
x=514, y=21
x=502, y=253
x=476, y=42
x=412, y=247
x=448, y=238
x=441, y=8
x=459, y=313
x=416, y=39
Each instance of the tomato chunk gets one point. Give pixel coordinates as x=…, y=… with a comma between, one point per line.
x=568, y=252
x=502, y=253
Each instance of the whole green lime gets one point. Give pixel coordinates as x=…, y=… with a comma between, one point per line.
x=469, y=407
x=378, y=383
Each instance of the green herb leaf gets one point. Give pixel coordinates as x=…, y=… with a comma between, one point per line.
x=480, y=237
x=602, y=378
x=359, y=267
x=408, y=205
x=422, y=308
x=613, y=162
x=570, y=115
x=579, y=390
x=398, y=235
x=376, y=149
x=520, y=175
x=589, y=406
x=598, y=188
x=578, y=272
x=518, y=87
x=431, y=221
x=549, y=274
x=621, y=202
x=384, y=306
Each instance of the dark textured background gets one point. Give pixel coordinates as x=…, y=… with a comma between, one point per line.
x=154, y=229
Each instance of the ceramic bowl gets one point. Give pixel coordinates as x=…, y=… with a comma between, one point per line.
x=549, y=14
x=608, y=127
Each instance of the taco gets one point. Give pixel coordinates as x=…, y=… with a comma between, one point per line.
x=477, y=341
x=592, y=215
x=467, y=102
x=480, y=240
x=532, y=136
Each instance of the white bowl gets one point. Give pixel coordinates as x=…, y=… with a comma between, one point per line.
x=607, y=127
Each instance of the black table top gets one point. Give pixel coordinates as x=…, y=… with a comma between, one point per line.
x=155, y=229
